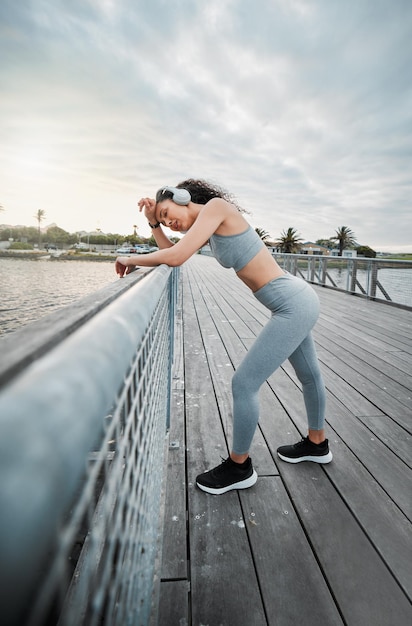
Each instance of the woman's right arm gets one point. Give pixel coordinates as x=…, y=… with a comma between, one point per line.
x=148, y=205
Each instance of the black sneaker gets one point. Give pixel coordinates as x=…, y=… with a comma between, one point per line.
x=226, y=476
x=306, y=450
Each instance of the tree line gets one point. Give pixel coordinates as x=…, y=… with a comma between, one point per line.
x=61, y=238
x=344, y=238
x=289, y=241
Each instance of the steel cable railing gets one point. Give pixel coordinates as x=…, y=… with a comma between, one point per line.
x=82, y=437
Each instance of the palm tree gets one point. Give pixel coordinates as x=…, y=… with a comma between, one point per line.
x=263, y=234
x=326, y=243
x=40, y=216
x=345, y=237
x=289, y=241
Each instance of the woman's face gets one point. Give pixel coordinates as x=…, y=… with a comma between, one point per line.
x=172, y=215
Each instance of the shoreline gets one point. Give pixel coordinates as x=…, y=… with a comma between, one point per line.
x=31, y=255
x=99, y=256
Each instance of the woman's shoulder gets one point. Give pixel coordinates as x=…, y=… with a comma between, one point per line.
x=218, y=202
x=232, y=220
x=222, y=206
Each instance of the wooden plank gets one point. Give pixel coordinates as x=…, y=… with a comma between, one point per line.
x=372, y=314
x=397, y=439
x=369, y=352
x=292, y=583
x=389, y=321
x=387, y=469
x=386, y=388
x=365, y=389
x=383, y=522
x=396, y=558
x=393, y=545
x=243, y=327
x=397, y=478
x=224, y=585
x=347, y=393
x=404, y=358
x=367, y=365
x=346, y=524
x=221, y=367
x=364, y=588
x=174, y=603
x=401, y=393
x=379, y=516
x=218, y=541
x=174, y=552
x=379, y=345
x=396, y=339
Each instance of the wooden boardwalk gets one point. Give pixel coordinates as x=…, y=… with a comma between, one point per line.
x=308, y=544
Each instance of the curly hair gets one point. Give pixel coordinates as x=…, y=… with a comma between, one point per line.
x=200, y=191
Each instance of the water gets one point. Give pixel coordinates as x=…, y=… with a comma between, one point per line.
x=30, y=289
x=397, y=282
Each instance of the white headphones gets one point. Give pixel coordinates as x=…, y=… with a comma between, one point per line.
x=180, y=196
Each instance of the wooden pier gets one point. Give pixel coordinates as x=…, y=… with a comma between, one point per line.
x=308, y=544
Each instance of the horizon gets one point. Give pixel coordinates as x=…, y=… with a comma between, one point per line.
x=43, y=230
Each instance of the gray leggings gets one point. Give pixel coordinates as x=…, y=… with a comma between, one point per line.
x=295, y=309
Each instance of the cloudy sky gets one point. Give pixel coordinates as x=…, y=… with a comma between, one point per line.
x=301, y=108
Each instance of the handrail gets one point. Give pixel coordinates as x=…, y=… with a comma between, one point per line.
x=78, y=547
x=386, y=280
x=37, y=338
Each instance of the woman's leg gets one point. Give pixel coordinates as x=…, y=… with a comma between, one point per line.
x=306, y=365
x=282, y=336
x=295, y=308
x=314, y=447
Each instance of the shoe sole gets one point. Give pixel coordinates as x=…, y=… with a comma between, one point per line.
x=326, y=458
x=243, y=484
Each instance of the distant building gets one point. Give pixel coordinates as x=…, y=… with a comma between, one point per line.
x=345, y=254
x=313, y=248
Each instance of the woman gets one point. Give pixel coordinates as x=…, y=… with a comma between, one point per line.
x=206, y=213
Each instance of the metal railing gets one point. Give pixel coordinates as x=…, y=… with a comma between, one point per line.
x=377, y=279
x=82, y=438
x=386, y=280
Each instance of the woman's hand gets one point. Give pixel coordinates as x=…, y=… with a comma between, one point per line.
x=148, y=206
x=121, y=266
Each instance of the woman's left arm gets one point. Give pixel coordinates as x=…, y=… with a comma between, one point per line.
x=206, y=223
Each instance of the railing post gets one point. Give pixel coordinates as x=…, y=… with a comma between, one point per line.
x=322, y=270
x=373, y=272
x=311, y=268
x=352, y=270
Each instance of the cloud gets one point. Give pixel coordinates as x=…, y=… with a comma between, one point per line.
x=301, y=108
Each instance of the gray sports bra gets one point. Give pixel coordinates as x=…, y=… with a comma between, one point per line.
x=236, y=250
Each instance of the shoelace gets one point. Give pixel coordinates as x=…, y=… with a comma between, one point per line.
x=301, y=443
x=305, y=442
x=223, y=464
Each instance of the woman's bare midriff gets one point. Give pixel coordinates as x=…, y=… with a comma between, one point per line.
x=260, y=270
